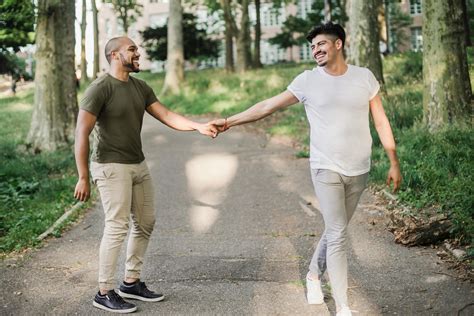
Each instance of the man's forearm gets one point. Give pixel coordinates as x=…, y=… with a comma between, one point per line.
x=252, y=114
x=81, y=153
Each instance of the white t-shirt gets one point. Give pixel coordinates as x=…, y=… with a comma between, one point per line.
x=338, y=113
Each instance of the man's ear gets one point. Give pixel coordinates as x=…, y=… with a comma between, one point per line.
x=339, y=43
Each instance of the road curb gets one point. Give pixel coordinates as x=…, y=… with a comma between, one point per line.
x=60, y=220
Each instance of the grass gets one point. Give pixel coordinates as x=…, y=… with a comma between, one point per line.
x=35, y=190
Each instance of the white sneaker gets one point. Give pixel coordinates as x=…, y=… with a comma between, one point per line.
x=344, y=311
x=314, y=291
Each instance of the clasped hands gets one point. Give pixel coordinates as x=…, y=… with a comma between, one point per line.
x=213, y=128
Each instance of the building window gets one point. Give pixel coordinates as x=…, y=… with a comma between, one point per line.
x=416, y=39
x=305, y=52
x=271, y=54
x=304, y=7
x=269, y=16
x=415, y=7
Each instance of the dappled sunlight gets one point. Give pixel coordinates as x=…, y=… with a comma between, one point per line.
x=216, y=88
x=209, y=175
x=19, y=107
x=203, y=217
x=223, y=105
x=436, y=278
x=275, y=81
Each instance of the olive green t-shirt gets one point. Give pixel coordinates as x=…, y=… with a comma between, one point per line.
x=119, y=107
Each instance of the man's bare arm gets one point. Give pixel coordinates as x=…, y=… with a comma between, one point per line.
x=85, y=124
x=258, y=111
x=382, y=125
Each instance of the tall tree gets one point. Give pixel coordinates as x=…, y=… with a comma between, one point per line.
x=243, y=38
x=327, y=10
x=199, y=45
x=83, y=42
x=55, y=105
x=175, y=61
x=447, y=89
x=258, y=34
x=95, y=27
x=127, y=11
x=230, y=30
x=364, y=42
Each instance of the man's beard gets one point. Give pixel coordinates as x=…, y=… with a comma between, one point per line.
x=127, y=64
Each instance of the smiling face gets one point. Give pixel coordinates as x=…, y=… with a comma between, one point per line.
x=325, y=49
x=128, y=56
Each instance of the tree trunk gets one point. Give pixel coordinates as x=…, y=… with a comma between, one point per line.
x=465, y=15
x=175, y=56
x=447, y=88
x=83, y=42
x=55, y=108
x=96, y=39
x=364, y=31
x=388, y=42
x=258, y=34
x=327, y=10
x=229, y=35
x=243, y=39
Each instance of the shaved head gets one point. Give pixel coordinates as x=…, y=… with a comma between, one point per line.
x=114, y=44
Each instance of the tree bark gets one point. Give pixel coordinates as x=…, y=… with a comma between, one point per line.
x=96, y=39
x=55, y=107
x=175, y=56
x=83, y=42
x=258, y=34
x=364, y=31
x=243, y=39
x=327, y=10
x=229, y=35
x=447, y=88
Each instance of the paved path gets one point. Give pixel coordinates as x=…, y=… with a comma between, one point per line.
x=237, y=220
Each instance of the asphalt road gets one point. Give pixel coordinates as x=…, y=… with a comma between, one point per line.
x=237, y=221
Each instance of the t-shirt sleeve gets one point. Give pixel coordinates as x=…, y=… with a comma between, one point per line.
x=374, y=85
x=93, y=99
x=150, y=96
x=297, y=87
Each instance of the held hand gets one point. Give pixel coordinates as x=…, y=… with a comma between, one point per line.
x=208, y=130
x=395, y=176
x=82, y=191
x=221, y=124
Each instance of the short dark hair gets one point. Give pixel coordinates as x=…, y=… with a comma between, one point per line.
x=328, y=28
x=112, y=45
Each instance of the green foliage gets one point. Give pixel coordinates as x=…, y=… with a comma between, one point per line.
x=295, y=28
x=127, y=11
x=405, y=68
x=17, y=18
x=198, y=45
x=398, y=22
x=34, y=189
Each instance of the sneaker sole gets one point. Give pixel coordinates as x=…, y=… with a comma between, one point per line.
x=140, y=298
x=120, y=311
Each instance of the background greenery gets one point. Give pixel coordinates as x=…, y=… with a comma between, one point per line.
x=437, y=168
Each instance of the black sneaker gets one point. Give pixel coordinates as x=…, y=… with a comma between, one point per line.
x=139, y=291
x=112, y=302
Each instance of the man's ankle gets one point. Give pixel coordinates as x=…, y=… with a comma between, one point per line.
x=130, y=280
x=312, y=276
x=103, y=292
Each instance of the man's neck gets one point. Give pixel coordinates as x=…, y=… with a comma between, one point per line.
x=119, y=74
x=336, y=69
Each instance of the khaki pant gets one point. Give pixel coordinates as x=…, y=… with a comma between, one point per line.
x=126, y=191
x=338, y=196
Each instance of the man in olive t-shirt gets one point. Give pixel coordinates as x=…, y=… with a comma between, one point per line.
x=113, y=106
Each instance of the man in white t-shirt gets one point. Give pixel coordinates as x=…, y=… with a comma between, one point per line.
x=337, y=98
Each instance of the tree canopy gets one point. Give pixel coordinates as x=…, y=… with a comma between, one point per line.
x=197, y=44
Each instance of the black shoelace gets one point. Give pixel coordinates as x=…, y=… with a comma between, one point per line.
x=114, y=297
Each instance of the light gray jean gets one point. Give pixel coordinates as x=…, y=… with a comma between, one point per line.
x=338, y=196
